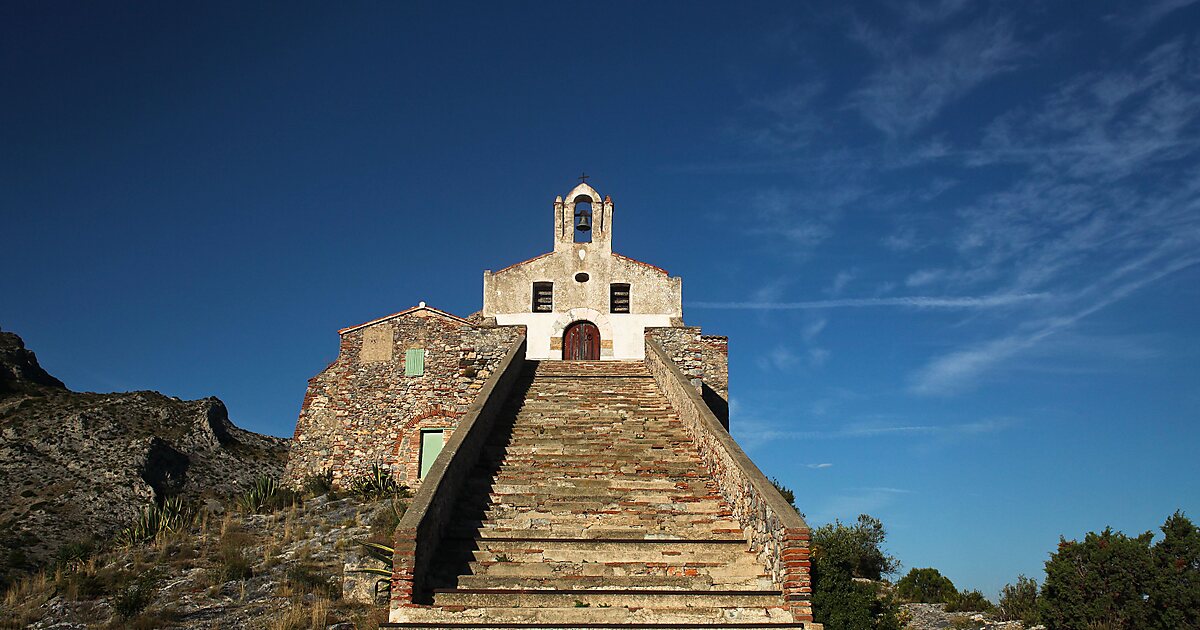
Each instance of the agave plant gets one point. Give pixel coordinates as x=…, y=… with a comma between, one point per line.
x=258, y=495
x=376, y=484
x=155, y=520
x=382, y=553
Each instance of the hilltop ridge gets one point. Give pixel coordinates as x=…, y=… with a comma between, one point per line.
x=75, y=465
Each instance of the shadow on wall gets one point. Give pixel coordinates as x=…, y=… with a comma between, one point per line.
x=718, y=405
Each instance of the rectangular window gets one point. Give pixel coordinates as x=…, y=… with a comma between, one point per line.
x=431, y=447
x=543, y=297
x=618, y=297
x=414, y=362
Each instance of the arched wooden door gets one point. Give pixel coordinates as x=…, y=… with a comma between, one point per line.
x=581, y=342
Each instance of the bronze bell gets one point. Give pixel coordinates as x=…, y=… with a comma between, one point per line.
x=583, y=220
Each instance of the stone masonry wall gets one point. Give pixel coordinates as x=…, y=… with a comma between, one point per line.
x=363, y=409
x=774, y=529
x=703, y=359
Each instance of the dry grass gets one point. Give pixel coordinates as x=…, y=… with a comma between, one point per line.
x=298, y=616
x=23, y=600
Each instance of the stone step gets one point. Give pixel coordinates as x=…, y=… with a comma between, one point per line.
x=699, y=581
x=596, y=532
x=613, y=551
x=586, y=598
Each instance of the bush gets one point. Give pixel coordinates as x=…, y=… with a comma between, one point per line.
x=1019, y=602
x=133, y=598
x=232, y=561
x=926, y=586
x=1103, y=581
x=318, y=484
x=842, y=553
x=968, y=601
x=384, y=521
x=1175, y=596
x=785, y=491
x=309, y=578
x=156, y=520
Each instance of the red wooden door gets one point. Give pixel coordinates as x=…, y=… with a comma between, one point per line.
x=581, y=342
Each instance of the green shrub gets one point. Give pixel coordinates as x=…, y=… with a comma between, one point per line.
x=318, y=484
x=232, y=561
x=841, y=553
x=155, y=520
x=377, y=484
x=1102, y=581
x=310, y=578
x=1019, y=602
x=969, y=601
x=384, y=521
x=785, y=491
x=1175, y=598
x=927, y=586
x=134, y=597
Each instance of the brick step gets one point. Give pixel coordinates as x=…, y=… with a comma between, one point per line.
x=698, y=581
x=614, y=617
x=586, y=598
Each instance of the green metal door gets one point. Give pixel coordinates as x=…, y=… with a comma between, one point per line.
x=431, y=445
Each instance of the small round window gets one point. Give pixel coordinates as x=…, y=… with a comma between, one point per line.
x=582, y=277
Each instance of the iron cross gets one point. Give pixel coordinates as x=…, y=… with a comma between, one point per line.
x=583, y=177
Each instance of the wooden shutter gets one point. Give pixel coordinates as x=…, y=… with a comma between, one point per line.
x=414, y=362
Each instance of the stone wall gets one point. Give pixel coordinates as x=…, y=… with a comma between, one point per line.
x=774, y=529
x=363, y=409
x=703, y=359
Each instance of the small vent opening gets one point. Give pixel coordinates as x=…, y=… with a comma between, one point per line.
x=543, y=297
x=618, y=297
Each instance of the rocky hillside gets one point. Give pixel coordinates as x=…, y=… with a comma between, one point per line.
x=77, y=465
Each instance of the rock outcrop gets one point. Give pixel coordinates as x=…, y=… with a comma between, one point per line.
x=76, y=465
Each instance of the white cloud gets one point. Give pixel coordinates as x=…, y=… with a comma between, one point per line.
x=819, y=466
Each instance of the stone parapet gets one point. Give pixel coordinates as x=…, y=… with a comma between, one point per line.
x=703, y=359
x=775, y=530
x=421, y=529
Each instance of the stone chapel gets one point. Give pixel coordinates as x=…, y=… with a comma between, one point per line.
x=569, y=449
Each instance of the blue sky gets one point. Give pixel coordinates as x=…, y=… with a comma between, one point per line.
x=954, y=244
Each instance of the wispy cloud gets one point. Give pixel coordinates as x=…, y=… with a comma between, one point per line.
x=910, y=87
x=959, y=369
x=1093, y=226
x=920, y=302
x=819, y=466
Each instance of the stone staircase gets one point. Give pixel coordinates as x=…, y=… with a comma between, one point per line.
x=590, y=508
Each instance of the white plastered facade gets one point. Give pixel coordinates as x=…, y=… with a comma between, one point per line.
x=655, y=298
